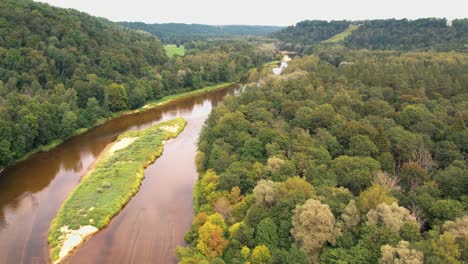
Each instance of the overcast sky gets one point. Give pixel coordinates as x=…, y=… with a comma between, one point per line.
x=263, y=12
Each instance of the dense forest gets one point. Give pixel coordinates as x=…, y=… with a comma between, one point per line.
x=357, y=153
x=311, y=31
x=403, y=34
x=430, y=33
x=350, y=157
x=180, y=33
x=61, y=70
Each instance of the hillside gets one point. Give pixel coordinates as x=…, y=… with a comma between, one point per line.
x=311, y=31
x=411, y=34
x=360, y=163
x=404, y=34
x=44, y=52
x=174, y=32
x=62, y=71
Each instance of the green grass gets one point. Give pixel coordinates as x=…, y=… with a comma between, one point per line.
x=172, y=50
x=341, y=36
x=112, y=183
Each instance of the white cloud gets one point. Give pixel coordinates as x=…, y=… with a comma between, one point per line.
x=262, y=12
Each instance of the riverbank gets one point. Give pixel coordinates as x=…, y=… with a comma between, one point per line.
x=108, y=186
x=150, y=105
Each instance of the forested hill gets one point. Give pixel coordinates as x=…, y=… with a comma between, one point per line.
x=53, y=45
x=311, y=31
x=404, y=34
x=360, y=163
x=176, y=32
x=62, y=70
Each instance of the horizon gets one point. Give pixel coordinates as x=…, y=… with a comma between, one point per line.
x=214, y=13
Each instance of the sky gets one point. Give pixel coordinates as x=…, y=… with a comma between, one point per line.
x=263, y=12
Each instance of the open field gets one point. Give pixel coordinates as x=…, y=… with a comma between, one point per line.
x=172, y=50
x=341, y=36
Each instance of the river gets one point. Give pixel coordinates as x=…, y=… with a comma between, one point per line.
x=282, y=66
x=150, y=226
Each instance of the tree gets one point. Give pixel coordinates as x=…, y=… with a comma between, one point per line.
x=265, y=192
x=355, y=173
x=447, y=209
x=92, y=112
x=412, y=175
x=453, y=180
x=372, y=197
x=351, y=217
x=402, y=254
x=211, y=241
x=296, y=256
x=444, y=250
x=116, y=97
x=313, y=226
x=446, y=152
x=261, y=255
x=391, y=216
x=266, y=233
x=311, y=119
x=69, y=123
x=404, y=143
x=458, y=227
x=361, y=146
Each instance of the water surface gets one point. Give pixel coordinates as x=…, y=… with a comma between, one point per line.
x=146, y=230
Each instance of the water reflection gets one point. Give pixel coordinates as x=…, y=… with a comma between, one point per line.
x=32, y=190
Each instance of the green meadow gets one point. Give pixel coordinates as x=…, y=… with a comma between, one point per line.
x=172, y=50
x=341, y=36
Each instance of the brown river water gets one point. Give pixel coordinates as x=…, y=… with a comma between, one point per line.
x=150, y=226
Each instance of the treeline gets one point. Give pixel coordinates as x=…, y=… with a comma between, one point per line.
x=429, y=33
x=61, y=70
x=179, y=33
x=311, y=31
x=392, y=34
x=360, y=162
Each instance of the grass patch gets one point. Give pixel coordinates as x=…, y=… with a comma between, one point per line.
x=172, y=50
x=341, y=36
x=112, y=183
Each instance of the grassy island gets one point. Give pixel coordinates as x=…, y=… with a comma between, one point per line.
x=111, y=182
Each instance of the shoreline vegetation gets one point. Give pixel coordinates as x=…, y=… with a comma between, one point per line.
x=150, y=105
x=108, y=186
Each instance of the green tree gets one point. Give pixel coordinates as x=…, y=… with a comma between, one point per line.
x=355, y=173
x=372, y=197
x=361, y=146
x=69, y=123
x=266, y=233
x=116, y=97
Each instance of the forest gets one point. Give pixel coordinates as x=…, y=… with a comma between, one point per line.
x=180, y=33
x=356, y=153
x=386, y=34
x=351, y=158
x=62, y=70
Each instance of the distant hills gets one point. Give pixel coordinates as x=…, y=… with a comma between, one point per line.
x=402, y=34
x=174, y=32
